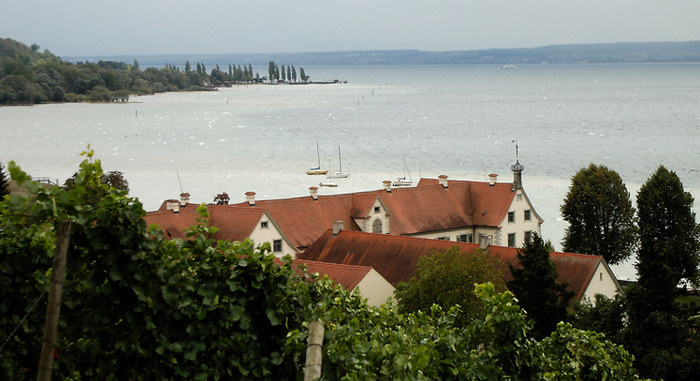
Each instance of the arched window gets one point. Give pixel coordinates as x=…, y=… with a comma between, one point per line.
x=377, y=226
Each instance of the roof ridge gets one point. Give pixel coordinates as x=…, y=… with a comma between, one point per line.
x=334, y=264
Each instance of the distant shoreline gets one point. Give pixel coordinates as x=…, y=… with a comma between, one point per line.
x=626, y=52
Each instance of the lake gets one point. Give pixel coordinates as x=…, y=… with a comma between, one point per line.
x=460, y=121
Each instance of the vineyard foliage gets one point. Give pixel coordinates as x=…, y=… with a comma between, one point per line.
x=137, y=306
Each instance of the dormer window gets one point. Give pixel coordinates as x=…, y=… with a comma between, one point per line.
x=511, y=216
x=263, y=224
x=376, y=209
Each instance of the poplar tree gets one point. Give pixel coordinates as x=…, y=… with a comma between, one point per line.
x=4, y=182
x=271, y=70
x=669, y=236
x=659, y=332
x=600, y=215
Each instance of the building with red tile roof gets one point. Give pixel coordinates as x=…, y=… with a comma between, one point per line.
x=396, y=259
x=464, y=211
x=233, y=224
x=363, y=279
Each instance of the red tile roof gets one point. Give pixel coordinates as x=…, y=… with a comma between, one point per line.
x=346, y=275
x=427, y=207
x=396, y=258
x=234, y=225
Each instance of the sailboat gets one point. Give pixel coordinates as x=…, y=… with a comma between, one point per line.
x=317, y=170
x=339, y=174
x=403, y=181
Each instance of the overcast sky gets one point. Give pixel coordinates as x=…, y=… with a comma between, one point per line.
x=135, y=27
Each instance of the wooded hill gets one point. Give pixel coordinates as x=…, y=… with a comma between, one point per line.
x=28, y=76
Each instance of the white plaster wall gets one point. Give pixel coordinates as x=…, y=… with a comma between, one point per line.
x=520, y=225
x=375, y=288
x=601, y=283
x=269, y=234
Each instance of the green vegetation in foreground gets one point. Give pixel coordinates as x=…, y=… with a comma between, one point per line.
x=28, y=76
x=137, y=306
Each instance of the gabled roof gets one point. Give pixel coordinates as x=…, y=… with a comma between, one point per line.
x=396, y=257
x=345, y=275
x=235, y=225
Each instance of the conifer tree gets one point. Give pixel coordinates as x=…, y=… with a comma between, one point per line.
x=535, y=285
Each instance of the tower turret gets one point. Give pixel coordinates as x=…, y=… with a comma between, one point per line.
x=517, y=169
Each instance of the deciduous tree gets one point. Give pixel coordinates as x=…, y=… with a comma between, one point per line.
x=669, y=236
x=600, y=215
x=447, y=278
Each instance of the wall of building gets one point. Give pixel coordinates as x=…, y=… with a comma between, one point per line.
x=269, y=234
x=519, y=225
x=602, y=283
x=375, y=288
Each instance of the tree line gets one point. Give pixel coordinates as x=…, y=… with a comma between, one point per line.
x=28, y=76
x=653, y=318
x=276, y=73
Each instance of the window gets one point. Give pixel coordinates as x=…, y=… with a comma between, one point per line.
x=511, y=216
x=277, y=246
x=511, y=240
x=527, y=215
x=465, y=238
x=443, y=238
x=377, y=226
x=519, y=197
x=263, y=224
x=601, y=276
x=376, y=209
x=528, y=236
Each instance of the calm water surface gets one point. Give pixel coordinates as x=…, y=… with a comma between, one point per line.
x=454, y=120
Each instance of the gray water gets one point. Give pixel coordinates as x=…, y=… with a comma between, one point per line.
x=455, y=120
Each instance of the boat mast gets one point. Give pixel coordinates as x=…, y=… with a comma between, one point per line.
x=340, y=161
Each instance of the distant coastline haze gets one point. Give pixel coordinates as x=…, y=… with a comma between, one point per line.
x=86, y=28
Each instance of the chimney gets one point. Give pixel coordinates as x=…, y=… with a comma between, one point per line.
x=250, y=197
x=484, y=241
x=337, y=227
x=314, y=192
x=442, y=179
x=492, y=179
x=184, y=199
x=173, y=205
x=387, y=185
